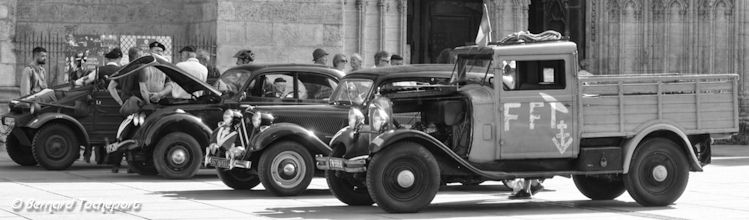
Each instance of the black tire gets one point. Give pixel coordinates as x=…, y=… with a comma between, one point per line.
x=20, y=154
x=345, y=187
x=599, y=187
x=56, y=147
x=144, y=168
x=646, y=182
x=418, y=171
x=238, y=178
x=286, y=168
x=177, y=156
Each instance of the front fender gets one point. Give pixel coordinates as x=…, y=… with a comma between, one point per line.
x=388, y=138
x=289, y=131
x=151, y=130
x=48, y=117
x=631, y=144
x=355, y=143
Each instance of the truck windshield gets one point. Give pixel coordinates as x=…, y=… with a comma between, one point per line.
x=468, y=67
x=352, y=91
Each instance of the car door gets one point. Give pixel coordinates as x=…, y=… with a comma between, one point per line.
x=536, y=114
x=106, y=118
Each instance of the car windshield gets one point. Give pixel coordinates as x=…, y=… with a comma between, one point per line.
x=352, y=91
x=232, y=81
x=468, y=67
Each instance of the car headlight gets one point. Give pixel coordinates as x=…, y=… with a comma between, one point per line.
x=379, y=118
x=9, y=121
x=34, y=108
x=256, y=119
x=139, y=119
x=355, y=117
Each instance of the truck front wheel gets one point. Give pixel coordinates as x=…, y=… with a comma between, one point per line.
x=20, y=154
x=599, y=187
x=658, y=173
x=403, y=178
x=177, y=156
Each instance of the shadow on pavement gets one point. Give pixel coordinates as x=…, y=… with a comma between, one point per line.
x=474, y=208
x=230, y=194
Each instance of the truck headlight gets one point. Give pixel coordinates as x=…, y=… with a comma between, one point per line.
x=378, y=118
x=355, y=117
x=139, y=119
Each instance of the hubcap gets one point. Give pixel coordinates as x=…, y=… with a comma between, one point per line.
x=405, y=178
x=660, y=173
x=57, y=147
x=179, y=156
x=287, y=169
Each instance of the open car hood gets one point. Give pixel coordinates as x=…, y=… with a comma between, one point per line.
x=188, y=82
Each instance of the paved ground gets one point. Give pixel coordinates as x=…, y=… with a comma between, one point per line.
x=722, y=191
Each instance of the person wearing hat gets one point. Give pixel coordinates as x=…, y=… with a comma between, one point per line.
x=192, y=66
x=396, y=60
x=244, y=57
x=79, y=75
x=320, y=56
x=156, y=81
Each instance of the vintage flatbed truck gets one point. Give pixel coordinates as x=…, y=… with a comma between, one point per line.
x=536, y=119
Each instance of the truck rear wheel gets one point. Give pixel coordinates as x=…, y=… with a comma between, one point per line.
x=177, y=156
x=599, y=187
x=56, y=147
x=20, y=154
x=658, y=173
x=238, y=178
x=345, y=187
x=286, y=168
x=403, y=178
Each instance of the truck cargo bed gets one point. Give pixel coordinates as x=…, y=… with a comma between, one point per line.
x=622, y=105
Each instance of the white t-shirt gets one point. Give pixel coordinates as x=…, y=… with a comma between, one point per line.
x=194, y=68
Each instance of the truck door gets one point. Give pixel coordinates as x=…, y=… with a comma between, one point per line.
x=536, y=111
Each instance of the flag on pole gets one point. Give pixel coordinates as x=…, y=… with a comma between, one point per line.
x=485, y=29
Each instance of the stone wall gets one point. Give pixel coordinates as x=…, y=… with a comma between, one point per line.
x=7, y=53
x=374, y=25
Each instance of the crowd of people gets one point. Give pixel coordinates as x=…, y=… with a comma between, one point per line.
x=150, y=85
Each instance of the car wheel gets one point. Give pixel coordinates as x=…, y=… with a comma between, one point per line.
x=599, y=187
x=238, y=178
x=145, y=168
x=345, y=187
x=56, y=147
x=403, y=178
x=177, y=156
x=658, y=173
x=286, y=168
x=20, y=154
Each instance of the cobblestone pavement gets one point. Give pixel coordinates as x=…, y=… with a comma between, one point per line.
x=722, y=191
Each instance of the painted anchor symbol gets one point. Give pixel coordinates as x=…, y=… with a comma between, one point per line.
x=561, y=140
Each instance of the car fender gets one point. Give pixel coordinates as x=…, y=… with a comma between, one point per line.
x=152, y=130
x=631, y=144
x=355, y=142
x=289, y=131
x=46, y=118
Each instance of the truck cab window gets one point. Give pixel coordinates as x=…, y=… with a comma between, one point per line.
x=533, y=74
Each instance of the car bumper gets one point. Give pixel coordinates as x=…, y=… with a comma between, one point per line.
x=221, y=162
x=121, y=146
x=353, y=165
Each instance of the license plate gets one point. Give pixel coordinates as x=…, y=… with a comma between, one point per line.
x=335, y=163
x=219, y=162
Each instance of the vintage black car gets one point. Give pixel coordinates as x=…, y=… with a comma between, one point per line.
x=170, y=140
x=281, y=154
x=52, y=127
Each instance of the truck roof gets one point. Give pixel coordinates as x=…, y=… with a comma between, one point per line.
x=546, y=47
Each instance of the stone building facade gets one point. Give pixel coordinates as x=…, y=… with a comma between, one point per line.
x=615, y=36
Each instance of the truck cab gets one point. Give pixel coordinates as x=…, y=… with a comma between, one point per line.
x=533, y=117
